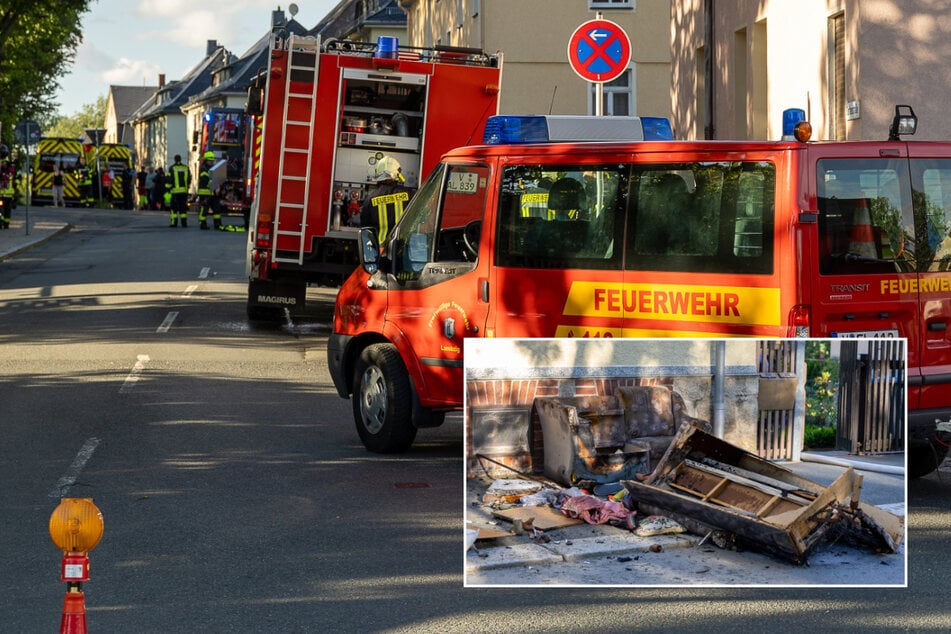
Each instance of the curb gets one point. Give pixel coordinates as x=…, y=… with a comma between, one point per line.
x=26, y=246
x=857, y=464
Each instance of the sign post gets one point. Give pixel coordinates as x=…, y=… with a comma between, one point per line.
x=28, y=133
x=599, y=51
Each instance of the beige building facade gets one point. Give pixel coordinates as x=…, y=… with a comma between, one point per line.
x=533, y=37
x=736, y=65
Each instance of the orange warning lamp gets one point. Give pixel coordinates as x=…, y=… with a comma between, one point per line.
x=76, y=525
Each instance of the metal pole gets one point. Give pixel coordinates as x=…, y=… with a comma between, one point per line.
x=29, y=179
x=719, y=398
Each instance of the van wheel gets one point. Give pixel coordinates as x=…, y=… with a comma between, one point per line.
x=383, y=400
x=924, y=457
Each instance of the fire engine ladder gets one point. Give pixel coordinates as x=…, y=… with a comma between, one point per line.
x=302, y=66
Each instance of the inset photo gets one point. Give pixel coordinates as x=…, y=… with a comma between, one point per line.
x=673, y=462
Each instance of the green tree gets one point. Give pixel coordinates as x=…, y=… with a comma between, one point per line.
x=822, y=384
x=92, y=115
x=38, y=41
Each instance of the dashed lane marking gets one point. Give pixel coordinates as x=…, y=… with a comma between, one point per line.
x=167, y=322
x=133, y=377
x=69, y=478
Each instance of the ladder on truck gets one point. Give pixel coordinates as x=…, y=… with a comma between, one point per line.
x=302, y=52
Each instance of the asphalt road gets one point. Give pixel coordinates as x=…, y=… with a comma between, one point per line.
x=236, y=494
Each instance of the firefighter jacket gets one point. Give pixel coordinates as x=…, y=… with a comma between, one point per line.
x=179, y=179
x=7, y=180
x=204, y=181
x=384, y=206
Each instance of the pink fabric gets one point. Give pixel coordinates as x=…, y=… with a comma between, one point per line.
x=594, y=510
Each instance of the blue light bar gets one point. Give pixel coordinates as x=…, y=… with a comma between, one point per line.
x=507, y=129
x=657, y=129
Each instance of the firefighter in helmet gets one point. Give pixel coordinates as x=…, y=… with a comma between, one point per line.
x=177, y=183
x=8, y=191
x=384, y=204
x=207, y=199
x=85, y=184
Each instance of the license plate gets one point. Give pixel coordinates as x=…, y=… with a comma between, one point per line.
x=867, y=334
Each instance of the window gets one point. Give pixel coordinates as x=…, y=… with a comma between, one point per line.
x=714, y=217
x=438, y=236
x=690, y=217
x=610, y=4
x=560, y=217
x=837, y=76
x=866, y=223
x=931, y=180
x=618, y=98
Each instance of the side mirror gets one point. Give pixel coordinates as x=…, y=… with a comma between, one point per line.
x=369, y=250
x=418, y=251
x=255, y=104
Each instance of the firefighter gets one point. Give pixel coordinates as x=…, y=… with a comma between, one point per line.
x=207, y=199
x=85, y=184
x=384, y=204
x=7, y=187
x=177, y=183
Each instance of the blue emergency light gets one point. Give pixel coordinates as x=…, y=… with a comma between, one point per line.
x=792, y=116
x=506, y=129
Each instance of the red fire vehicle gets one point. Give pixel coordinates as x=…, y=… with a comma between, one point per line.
x=223, y=131
x=329, y=113
x=643, y=239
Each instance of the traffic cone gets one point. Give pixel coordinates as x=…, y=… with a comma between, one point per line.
x=74, y=614
x=862, y=238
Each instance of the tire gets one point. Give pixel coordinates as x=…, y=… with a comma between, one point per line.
x=925, y=457
x=383, y=400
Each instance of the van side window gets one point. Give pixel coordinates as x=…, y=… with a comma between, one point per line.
x=714, y=217
x=442, y=226
x=866, y=223
x=560, y=217
x=931, y=182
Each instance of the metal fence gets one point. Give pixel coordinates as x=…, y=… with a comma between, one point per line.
x=871, y=396
x=774, y=432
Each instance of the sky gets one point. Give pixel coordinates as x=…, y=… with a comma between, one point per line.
x=130, y=42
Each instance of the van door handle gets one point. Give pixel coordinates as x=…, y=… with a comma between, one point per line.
x=935, y=326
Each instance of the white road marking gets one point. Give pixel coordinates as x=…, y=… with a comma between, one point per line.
x=204, y=273
x=133, y=377
x=191, y=289
x=167, y=322
x=69, y=478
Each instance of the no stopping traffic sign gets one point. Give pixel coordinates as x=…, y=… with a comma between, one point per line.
x=599, y=50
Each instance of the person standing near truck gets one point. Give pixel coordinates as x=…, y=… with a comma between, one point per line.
x=178, y=181
x=384, y=204
x=207, y=198
x=7, y=187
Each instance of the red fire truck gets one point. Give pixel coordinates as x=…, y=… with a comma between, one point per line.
x=650, y=239
x=223, y=131
x=329, y=113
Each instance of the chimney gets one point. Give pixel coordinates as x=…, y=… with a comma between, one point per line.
x=161, y=80
x=278, y=19
x=211, y=48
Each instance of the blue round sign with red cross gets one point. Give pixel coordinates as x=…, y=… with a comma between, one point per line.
x=599, y=50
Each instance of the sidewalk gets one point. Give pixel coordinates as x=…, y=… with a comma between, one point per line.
x=44, y=223
x=608, y=556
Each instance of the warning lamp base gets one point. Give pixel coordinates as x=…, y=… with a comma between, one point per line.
x=74, y=613
x=75, y=567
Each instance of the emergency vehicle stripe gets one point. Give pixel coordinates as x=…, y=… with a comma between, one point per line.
x=675, y=302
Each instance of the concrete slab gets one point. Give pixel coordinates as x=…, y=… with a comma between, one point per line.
x=507, y=556
x=621, y=544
